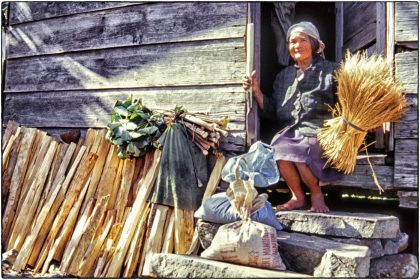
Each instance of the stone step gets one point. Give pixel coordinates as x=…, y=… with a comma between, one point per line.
x=378, y=247
x=181, y=266
x=341, y=224
x=310, y=254
x=323, y=257
x=395, y=266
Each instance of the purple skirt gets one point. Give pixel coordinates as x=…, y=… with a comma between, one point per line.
x=291, y=145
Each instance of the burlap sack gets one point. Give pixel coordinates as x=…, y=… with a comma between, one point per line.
x=245, y=242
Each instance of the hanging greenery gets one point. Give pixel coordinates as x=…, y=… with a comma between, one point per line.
x=134, y=128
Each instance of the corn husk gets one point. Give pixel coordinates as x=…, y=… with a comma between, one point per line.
x=368, y=96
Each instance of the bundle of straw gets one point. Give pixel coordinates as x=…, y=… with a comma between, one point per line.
x=368, y=96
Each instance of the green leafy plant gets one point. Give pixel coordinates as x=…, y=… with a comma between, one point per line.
x=133, y=127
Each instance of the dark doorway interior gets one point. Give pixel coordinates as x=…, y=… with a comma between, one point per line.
x=322, y=15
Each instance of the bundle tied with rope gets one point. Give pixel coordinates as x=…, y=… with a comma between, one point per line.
x=368, y=96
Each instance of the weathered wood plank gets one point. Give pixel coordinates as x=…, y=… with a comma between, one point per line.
x=362, y=177
x=408, y=125
x=407, y=70
x=129, y=26
x=93, y=108
x=406, y=163
x=217, y=62
x=29, y=11
x=408, y=199
x=406, y=21
x=359, y=24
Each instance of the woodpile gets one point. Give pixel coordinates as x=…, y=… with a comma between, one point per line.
x=81, y=205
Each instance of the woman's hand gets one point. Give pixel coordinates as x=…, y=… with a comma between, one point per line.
x=252, y=83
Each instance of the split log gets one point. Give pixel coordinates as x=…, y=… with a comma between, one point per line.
x=138, y=169
x=60, y=197
x=133, y=218
x=102, y=260
x=168, y=240
x=77, y=183
x=109, y=173
x=113, y=239
x=57, y=250
x=155, y=240
x=26, y=250
x=148, y=161
x=115, y=187
x=103, y=151
x=55, y=165
x=88, y=232
x=124, y=189
x=135, y=251
x=210, y=189
x=8, y=171
x=8, y=149
x=16, y=183
x=34, y=167
x=149, y=223
x=26, y=216
x=86, y=266
x=11, y=128
x=179, y=232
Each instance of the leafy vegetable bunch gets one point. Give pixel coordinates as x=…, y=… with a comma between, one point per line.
x=134, y=128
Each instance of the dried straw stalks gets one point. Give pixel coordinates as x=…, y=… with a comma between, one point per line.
x=368, y=96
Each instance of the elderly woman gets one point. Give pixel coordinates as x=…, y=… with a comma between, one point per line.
x=302, y=95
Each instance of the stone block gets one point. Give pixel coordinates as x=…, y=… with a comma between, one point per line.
x=378, y=247
x=206, y=232
x=341, y=224
x=180, y=266
x=323, y=257
x=394, y=266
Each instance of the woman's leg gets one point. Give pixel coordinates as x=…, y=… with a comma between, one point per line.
x=291, y=175
x=317, y=198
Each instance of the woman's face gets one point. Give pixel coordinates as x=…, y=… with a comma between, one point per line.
x=300, y=48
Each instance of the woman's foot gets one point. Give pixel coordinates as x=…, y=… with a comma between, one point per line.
x=291, y=204
x=318, y=204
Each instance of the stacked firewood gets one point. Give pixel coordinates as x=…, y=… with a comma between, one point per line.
x=83, y=206
x=204, y=131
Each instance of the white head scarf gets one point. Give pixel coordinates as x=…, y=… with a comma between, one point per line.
x=309, y=29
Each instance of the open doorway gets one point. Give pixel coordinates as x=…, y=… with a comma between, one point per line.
x=322, y=15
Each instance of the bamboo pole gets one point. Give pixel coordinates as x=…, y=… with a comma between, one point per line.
x=133, y=218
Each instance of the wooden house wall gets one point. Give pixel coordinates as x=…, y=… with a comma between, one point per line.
x=68, y=62
x=406, y=70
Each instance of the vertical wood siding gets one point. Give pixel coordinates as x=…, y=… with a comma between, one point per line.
x=406, y=70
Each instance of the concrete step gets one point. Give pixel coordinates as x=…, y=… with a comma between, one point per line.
x=181, y=266
x=341, y=224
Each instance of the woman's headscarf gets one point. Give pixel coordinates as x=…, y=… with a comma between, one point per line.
x=309, y=29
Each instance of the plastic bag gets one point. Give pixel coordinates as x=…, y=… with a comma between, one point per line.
x=258, y=164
